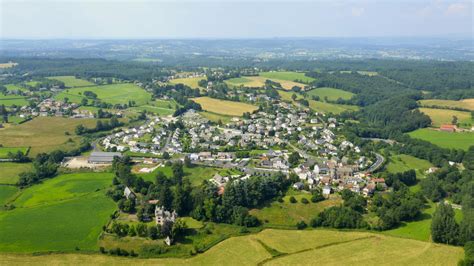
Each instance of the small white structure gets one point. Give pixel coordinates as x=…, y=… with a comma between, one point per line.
x=161, y=215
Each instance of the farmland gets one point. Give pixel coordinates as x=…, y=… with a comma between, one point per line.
x=459, y=140
x=402, y=162
x=443, y=116
x=464, y=104
x=9, y=100
x=319, y=106
x=71, y=81
x=8, y=65
x=10, y=171
x=224, y=107
x=191, y=82
x=6, y=193
x=287, y=75
x=216, y=117
x=295, y=247
x=62, y=201
x=44, y=134
x=5, y=150
x=330, y=93
x=196, y=174
x=113, y=94
x=259, y=81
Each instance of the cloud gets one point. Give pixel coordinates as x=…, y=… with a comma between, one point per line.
x=357, y=11
x=457, y=9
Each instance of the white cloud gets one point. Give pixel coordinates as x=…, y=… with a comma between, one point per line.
x=357, y=11
x=457, y=9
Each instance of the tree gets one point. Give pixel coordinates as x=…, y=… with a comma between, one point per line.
x=187, y=162
x=166, y=197
x=153, y=232
x=455, y=120
x=166, y=155
x=444, y=228
x=293, y=200
x=294, y=158
x=178, y=229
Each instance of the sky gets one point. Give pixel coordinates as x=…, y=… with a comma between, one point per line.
x=108, y=19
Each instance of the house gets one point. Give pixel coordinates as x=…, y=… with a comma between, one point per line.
x=326, y=191
x=448, y=128
x=298, y=186
x=162, y=215
x=168, y=241
x=128, y=193
x=103, y=157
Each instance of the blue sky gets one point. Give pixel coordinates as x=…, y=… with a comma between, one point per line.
x=233, y=19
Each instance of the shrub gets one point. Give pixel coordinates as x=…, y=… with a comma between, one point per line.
x=292, y=199
x=301, y=225
x=304, y=201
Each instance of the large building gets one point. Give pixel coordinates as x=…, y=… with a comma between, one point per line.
x=103, y=157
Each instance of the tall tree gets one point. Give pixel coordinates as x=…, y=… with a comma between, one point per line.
x=444, y=228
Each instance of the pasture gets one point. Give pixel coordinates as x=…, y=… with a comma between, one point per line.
x=259, y=81
x=443, y=116
x=191, y=82
x=402, y=162
x=10, y=100
x=8, y=65
x=44, y=134
x=13, y=87
x=330, y=93
x=458, y=140
x=153, y=109
x=68, y=213
x=224, y=107
x=464, y=104
x=6, y=193
x=195, y=174
x=216, y=117
x=72, y=81
x=285, y=247
x=10, y=172
x=288, y=76
x=317, y=105
x=113, y=94
x=4, y=151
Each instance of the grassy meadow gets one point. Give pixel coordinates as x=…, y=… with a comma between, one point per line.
x=72, y=81
x=465, y=104
x=402, y=162
x=331, y=93
x=288, y=76
x=191, y=82
x=195, y=174
x=443, y=116
x=458, y=140
x=224, y=107
x=5, y=150
x=10, y=172
x=8, y=65
x=74, y=203
x=10, y=100
x=44, y=134
x=259, y=81
x=317, y=105
x=6, y=193
x=216, y=117
x=113, y=94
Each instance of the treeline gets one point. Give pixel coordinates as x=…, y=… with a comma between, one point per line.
x=181, y=94
x=100, y=126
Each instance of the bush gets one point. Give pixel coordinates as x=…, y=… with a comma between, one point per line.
x=301, y=225
x=304, y=201
x=317, y=197
x=293, y=200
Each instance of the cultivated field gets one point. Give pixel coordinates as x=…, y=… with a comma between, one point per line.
x=459, y=140
x=65, y=213
x=191, y=82
x=402, y=162
x=287, y=75
x=9, y=100
x=71, y=81
x=114, y=94
x=319, y=106
x=443, y=116
x=286, y=247
x=12, y=87
x=259, y=81
x=331, y=94
x=4, y=151
x=44, y=134
x=465, y=104
x=8, y=65
x=9, y=173
x=224, y=107
x=6, y=193
x=216, y=117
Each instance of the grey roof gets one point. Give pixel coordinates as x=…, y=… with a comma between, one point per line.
x=103, y=156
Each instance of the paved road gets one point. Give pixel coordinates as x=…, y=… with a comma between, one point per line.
x=380, y=160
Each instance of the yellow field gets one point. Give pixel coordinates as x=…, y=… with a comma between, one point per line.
x=8, y=65
x=443, y=116
x=324, y=247
x=258, y=81
x=465, y=104
x=224, y=107
x=191, y=82
x=44, y=134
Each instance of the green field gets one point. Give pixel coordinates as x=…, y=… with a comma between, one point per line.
x=285, y=247
x=12, y=87
x=5, y=150
x=113, y=94
x=62, y=214
x=44, y=134
x=9, y=173
x=72, y=81
x=402, y=162
x=331, y=94
x=459, y=140
x=216, y=117
x=9, y=100
x=317, y=105
x=224, y=107
x=286, y=214
x=6, y=193
x=191, y=82
x=287, y=75
x=465, y=104
x=442, y=116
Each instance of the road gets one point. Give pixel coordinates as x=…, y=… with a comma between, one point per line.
x=380, y=160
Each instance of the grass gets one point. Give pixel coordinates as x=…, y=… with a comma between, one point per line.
x=61, y=214
x=458, y=140
x=442, y=116
x=259, y=81
x=191, y=82
x=9, y=173
x=195, y=174
x=5, y=150
x=293, y=247
x=331, y=94
x=287, y=75
x=287, y=214
x=224, y=107
x=113, y=94
x=402, y=162
x=8, y=65
x=216, y=117
x=12, y=87
x=44, y=134
x=6, y=193
x=317, y=105
x=153, y=109
x=72, y=81
x=9, y=100
x=465, y=104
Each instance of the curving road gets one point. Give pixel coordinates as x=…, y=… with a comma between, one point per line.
x=380, y=160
